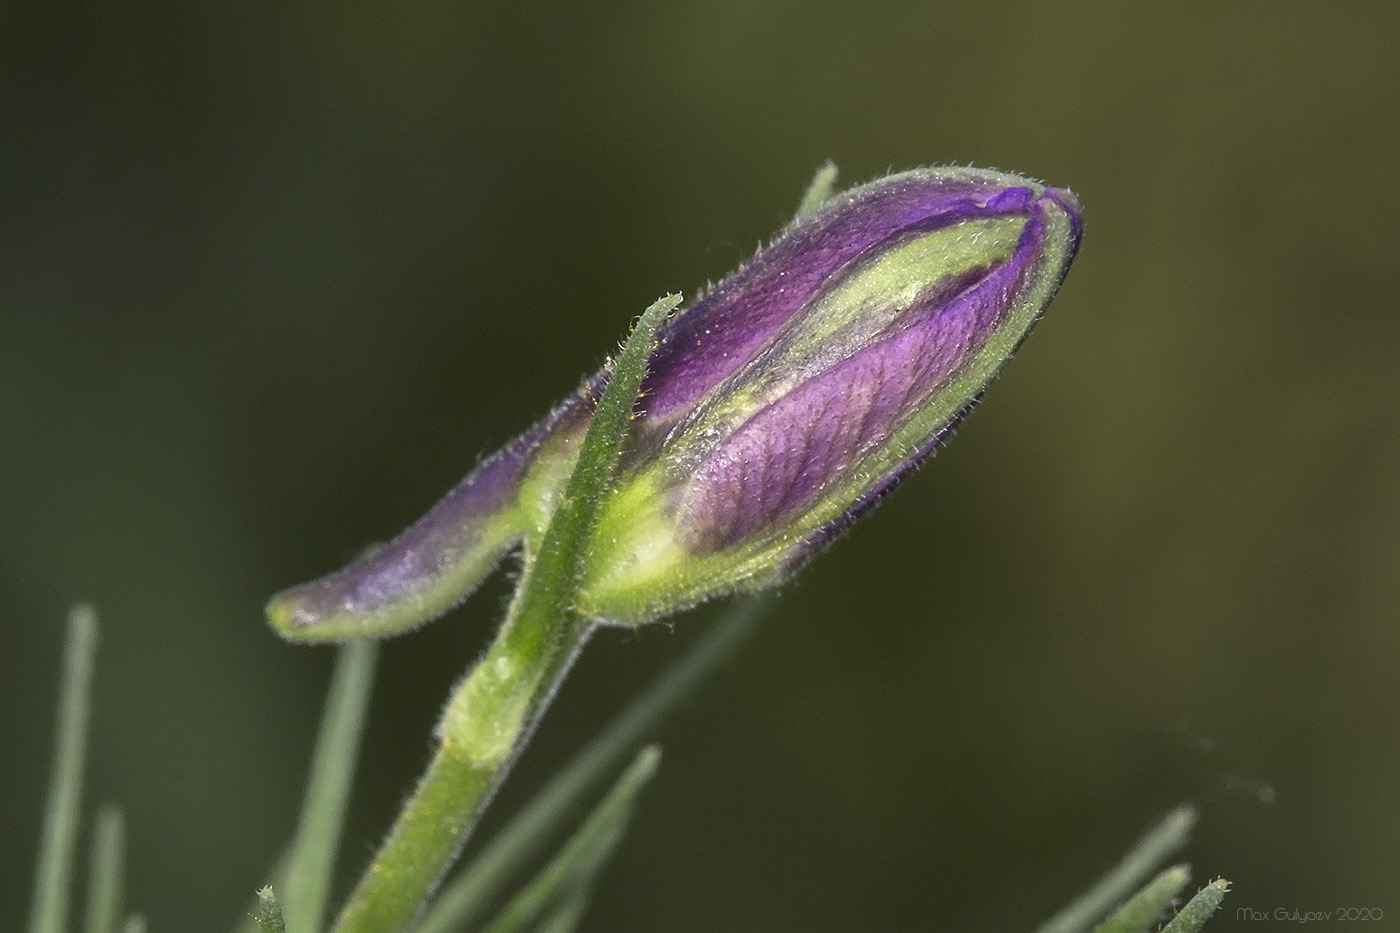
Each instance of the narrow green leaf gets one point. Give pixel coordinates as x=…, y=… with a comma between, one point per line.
x=566, y=916
x=818, y=191
x=1199, y=909
x=1168, y=836
x=53, y=877
x=328, y=787
x=547, y=592
x=270, y=912
x=577, y=865
x=106, y=875
x=1142, y=910
x=465, y=898
x=277, y=877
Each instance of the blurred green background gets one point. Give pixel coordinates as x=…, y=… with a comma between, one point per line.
x=272, y=278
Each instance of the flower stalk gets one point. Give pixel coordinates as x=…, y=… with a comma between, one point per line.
x=493, y=710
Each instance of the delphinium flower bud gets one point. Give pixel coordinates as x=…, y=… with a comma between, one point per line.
x=777, y=409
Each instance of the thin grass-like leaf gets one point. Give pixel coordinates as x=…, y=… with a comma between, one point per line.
x=1168, y=836
x=818, y=191
x=270, y=917
x=277, y=877
x=107, y=872
x=553, y=897
x=567, y=915
x=54, y=873
x=549, y=586
x=1199, y=909
x=465, y=898
x=1142, y=910
x=307, y=885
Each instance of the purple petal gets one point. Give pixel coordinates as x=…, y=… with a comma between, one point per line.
x=784, y=458
x=435, y=563
x=723, y=330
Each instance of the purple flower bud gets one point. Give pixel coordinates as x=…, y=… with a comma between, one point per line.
x=777, y=408
x=785, y=402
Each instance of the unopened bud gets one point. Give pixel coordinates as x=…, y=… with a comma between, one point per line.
x=776, y=410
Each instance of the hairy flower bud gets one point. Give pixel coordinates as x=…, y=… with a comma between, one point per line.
x=777, y=409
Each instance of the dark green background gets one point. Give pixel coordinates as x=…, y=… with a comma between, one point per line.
x=271, y=280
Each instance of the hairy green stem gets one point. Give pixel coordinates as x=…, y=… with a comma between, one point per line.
x=491, y=713
x=462, y=902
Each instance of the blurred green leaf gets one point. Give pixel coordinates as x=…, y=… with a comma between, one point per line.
x=53, y=877
x=308, y=878
x=1141, y=911
x=468, y=895
x=1154, y=848
x=106, y=876
x=555, y=899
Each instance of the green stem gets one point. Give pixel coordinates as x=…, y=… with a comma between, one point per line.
x=486, y=720
x=491, y=713
x=461, y=903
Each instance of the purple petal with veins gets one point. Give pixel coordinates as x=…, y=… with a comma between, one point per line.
x=725, y=328
x=781, y=460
